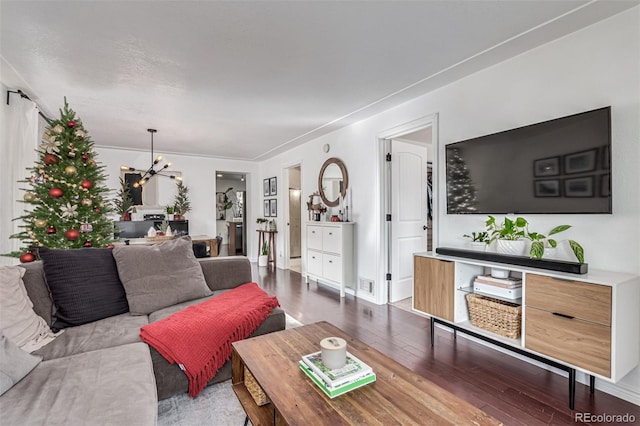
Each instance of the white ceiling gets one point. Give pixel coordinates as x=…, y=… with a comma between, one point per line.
x=250, y=79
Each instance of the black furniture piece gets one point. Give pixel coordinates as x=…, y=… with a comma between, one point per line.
x=139, y=228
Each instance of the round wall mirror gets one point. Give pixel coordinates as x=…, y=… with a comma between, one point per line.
x=332, y=181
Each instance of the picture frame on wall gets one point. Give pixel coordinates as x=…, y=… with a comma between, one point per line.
x=581, y=187
x=265, y=187
x=273, y=186
x=266, y=208
x=580, y=162
x=546, y=167
x=546, y=188
x=273, y=207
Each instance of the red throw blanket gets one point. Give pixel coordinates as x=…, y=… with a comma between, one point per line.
x=199, y=337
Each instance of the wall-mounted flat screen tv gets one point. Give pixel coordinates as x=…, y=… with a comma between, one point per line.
x=557, y=166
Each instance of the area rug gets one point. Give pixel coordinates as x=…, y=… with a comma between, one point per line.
x=215, y=405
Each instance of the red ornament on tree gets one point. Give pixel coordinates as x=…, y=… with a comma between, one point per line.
x=56, y=192
x=97, y=210
x=71, y=123
x=27, y=257
x=50, y=159
x=51, y=230
x=86, y=184
x=87, y=244
x=85, y=157
x=72, y=234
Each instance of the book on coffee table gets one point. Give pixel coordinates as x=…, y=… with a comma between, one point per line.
x=333, y=392
x=353, y=370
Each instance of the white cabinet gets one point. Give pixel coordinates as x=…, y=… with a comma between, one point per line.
x=330, y=253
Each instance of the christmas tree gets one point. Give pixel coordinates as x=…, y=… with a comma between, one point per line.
x=461, y=193
x=67, y=207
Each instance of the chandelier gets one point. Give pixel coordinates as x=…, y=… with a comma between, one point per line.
x=152, y=170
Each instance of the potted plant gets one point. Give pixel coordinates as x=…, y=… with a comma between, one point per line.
x=509, y=235
x=170, y=210
x=541, y=245
x=182, y=205
x=262, y=223
x=123, y=204
x=479, y=240
x=264, y=253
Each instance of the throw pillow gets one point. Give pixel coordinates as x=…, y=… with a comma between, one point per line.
x=14, y=363
x=160, y=275
x=84, y=285
x=17, y=319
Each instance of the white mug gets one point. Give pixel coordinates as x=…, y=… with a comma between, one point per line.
x=334, y=352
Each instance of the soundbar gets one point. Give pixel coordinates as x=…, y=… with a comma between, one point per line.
x=552, y=265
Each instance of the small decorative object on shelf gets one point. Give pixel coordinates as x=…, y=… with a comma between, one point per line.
x=479, y=240
x=315, y=207
x=182, y=205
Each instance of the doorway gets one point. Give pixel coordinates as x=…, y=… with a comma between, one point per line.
x=294, y=220
x=231, y=212
x=409, y=178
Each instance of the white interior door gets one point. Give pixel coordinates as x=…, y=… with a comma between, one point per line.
x=408, y=214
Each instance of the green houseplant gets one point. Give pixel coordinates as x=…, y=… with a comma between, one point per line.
x=264, y=253
x=539, y=242
x=509, y=235
x=479, y=240
x=261, y=221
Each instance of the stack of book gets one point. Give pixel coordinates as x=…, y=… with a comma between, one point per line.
x=336, y=382
x=508, y=288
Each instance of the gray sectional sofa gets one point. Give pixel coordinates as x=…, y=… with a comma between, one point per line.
x=101, y=372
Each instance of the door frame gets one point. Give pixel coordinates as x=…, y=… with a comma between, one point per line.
x=284, y=200
x=384, y=249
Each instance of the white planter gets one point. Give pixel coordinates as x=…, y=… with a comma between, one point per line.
x=511, y=247
x=477, y=245
x=550, y=253
x=262, y=260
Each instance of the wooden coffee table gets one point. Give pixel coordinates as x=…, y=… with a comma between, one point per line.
x=398, y=397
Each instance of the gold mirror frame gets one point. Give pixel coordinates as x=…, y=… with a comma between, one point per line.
x=345, y=179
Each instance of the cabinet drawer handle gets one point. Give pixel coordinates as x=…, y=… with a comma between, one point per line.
x=562, y=315
x=330, y=233
x=331, y=261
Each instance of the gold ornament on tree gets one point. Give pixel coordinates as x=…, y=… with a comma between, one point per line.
x=86, y=202
x=40, y=223
x=29, y=196
x=70, y=170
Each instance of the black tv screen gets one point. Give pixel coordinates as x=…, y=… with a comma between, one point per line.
x=557, y=166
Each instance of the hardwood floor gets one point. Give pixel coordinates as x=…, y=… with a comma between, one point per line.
x=513, y=391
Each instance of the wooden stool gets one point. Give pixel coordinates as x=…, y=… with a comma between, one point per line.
x=270, y=239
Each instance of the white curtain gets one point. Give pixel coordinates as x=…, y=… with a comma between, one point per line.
x=20, y=138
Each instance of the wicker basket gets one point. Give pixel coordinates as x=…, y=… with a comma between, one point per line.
x=254, y=388
x=497, y=316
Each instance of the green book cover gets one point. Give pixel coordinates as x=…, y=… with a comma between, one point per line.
x=332, y=393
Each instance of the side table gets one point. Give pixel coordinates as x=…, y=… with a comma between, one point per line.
x=270, y=239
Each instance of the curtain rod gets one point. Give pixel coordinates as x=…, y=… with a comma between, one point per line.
x=25, y=96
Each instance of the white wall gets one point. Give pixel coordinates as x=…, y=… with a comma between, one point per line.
x=595, y=67
x=198, y=173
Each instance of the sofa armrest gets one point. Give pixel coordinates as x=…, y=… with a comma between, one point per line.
x=223, y=273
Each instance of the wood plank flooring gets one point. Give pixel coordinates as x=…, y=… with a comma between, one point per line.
x=513, y=391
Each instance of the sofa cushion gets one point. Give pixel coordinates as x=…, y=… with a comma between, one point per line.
x=105, y=333
x=14, y=363
x=18, y=321
x=160, y=275
x=37, y=289
x=113, y=386
x=84, y=285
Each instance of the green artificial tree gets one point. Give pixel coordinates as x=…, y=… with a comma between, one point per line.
x=461, y=192
x=123, y=202
x=66, y=198
x=182, y=204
